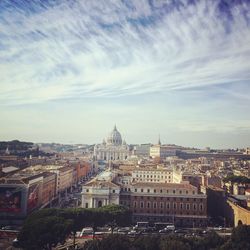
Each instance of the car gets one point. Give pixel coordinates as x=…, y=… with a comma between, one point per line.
x=180, y=231
x=165, y=230
x=123, y=230
x=11, y=227
x=149, y=230
x=134, y=233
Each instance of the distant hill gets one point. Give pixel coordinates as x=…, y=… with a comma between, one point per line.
x=15, y=145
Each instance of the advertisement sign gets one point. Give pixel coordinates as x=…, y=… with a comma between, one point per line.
x=10, y=199
x=33, y=195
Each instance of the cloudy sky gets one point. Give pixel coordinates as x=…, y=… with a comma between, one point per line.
x=71, y=69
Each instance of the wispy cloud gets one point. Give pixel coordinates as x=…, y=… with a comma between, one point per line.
x=78, y=49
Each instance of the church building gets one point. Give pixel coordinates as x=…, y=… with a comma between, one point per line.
x=113, y=148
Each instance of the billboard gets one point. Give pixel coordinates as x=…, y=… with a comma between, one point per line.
x=33, y=197
x=10, y=199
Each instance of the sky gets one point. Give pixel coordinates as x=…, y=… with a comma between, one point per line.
x=72, y=69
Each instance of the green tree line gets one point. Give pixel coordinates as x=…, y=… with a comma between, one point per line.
x=240, y=240
x=46, y=228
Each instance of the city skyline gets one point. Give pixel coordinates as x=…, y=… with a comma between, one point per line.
x=69, y=71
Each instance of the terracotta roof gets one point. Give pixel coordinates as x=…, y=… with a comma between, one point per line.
x=101, y=184
x=164, y=185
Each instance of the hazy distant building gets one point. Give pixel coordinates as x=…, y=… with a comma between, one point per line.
x=113, y=148
x=142, y=150
x=162, y=151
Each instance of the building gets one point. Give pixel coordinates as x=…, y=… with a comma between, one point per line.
x=241, y=209
x=156, y=200
x=100, y=193
x=49, y=188
x=113, y=148
x=157, y=174
x=142, y=150
x=180, y=204
x=23, y=193
x=162, y=151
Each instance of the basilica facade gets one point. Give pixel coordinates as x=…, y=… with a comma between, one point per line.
x=113, y=148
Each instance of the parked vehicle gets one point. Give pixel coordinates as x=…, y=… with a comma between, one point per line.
x=141, y=225
x=168, y=228
x=86, y=232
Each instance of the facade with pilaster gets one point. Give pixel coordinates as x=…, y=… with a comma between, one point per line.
x=113, y=148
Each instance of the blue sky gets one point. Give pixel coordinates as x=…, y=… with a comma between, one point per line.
x=70, y=70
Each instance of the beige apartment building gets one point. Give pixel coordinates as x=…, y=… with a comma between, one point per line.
x=152, y=175
x=176, y=203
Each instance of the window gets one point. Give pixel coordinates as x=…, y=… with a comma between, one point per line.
x=180, y=192
x=86, y=205
x=174, y=206
x=87, y=190
x=142, y=204
x=168, y=205
x=148, y=205
x=135, y=189
x=174, y=191
x=187, y=206
x=161, y=191
x=148, y=190
x=155, y=205
x=161, y=205
x=186, y=192
x=201, y=207
x=194, y=206
x=113, y=191
x=142, y=190
x=135, y=204
x=154, y=190
x=181, y=205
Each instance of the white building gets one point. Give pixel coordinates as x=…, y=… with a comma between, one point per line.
x=162, y=151
x=100, y=193
x=152, y=175
x=113, y=148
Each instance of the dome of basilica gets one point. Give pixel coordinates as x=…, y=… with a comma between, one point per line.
x=114, y=138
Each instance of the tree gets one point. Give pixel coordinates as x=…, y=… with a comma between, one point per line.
x=147, y=243
x=173, y=243
x=44, y=233
x=112, y=242
x=48, y=227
